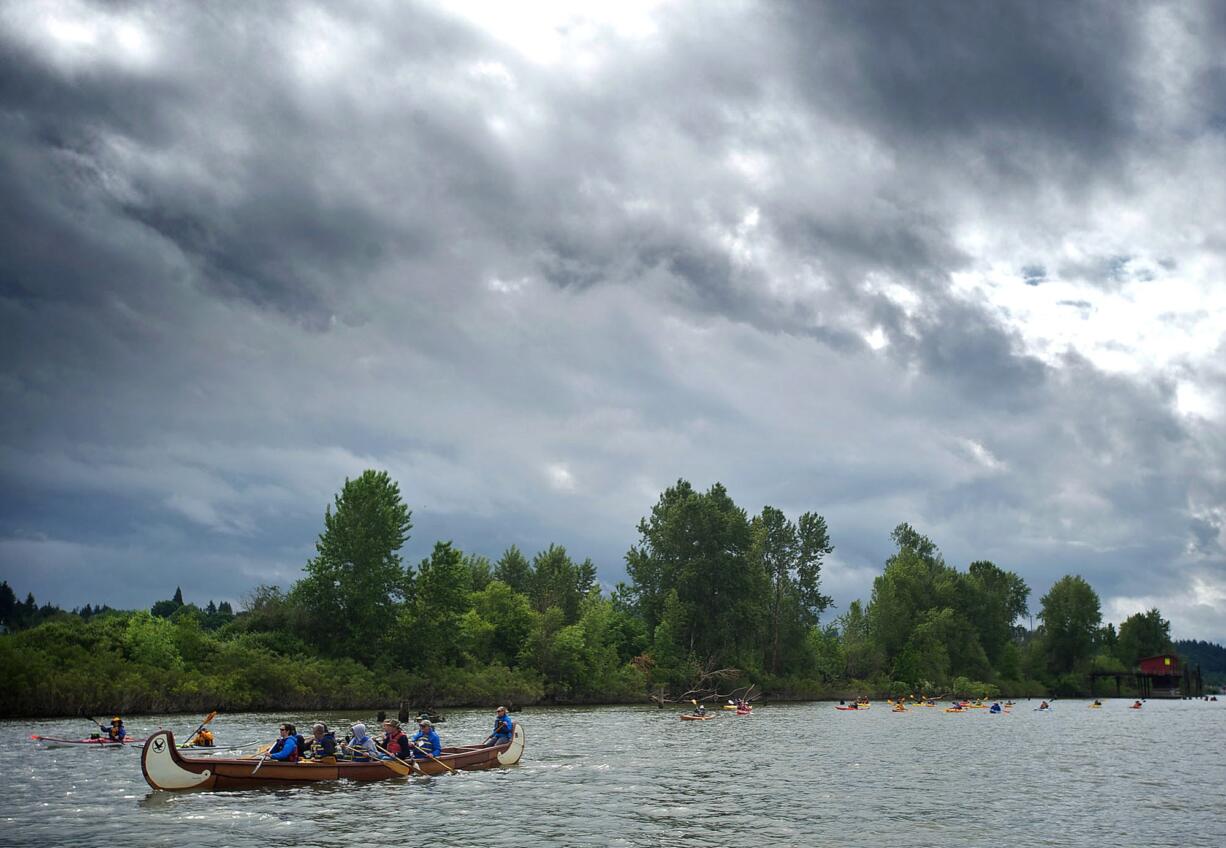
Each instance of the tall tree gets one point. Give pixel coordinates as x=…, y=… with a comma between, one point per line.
x=1143, y=634
x=557, y=581
x=514, y=569
x=697, y=545
x=440, y=599
x=790, y=556
x=997, y=598
x=8, y=604
x=355, y=582
x=1071, y=615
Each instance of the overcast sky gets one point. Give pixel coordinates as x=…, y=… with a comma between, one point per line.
x=957, y=264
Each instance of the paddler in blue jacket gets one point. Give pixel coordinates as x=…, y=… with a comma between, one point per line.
x=426, y=739
x=116, y=732
x=286, y=748
x=503, y=728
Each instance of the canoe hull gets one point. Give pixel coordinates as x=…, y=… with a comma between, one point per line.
x=165, y=768
x=474, y=757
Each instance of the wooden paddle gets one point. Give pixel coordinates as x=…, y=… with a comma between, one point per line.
x=408, y=769
x=428, y=754
x=196, y=732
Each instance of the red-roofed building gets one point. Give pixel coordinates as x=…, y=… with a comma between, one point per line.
x=1160, y=675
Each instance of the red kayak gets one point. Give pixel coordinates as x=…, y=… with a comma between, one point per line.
x=100, y=742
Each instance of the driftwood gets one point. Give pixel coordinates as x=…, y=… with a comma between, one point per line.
x=706, y=693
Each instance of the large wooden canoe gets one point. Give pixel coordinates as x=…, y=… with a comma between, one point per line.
x=166, y=768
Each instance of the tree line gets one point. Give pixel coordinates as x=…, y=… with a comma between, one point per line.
x=715, y=600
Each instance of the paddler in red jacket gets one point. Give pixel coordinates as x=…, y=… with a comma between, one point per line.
x=394, y=740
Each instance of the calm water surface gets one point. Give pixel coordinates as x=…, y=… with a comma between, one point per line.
x=790, y=774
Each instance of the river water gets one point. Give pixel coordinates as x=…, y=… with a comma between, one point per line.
x=789, y=774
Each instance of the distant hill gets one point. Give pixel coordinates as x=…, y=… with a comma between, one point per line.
x=1210, y=656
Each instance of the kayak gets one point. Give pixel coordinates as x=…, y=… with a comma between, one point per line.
x=744, y=712
x=852, y=709
x=692, y=717
x=729, y=707
x=956, y=710
x=101, y=742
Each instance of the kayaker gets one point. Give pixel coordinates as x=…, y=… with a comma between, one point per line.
x=1136, y=705
x=701, y=710
x=361, y=746
x=426, y=739
x=288, y=748
x=1043, y=705
x=322, y=742
x=995, y=708
x=504, y=728
x=1097, y=703
x=204, y=739
x=116, y=732
x=394, y=740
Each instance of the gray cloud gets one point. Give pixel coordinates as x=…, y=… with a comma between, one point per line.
x=295, y=242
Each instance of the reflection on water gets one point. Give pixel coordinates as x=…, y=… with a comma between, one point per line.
x=790, y=774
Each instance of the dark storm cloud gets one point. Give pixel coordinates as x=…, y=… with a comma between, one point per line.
x=299, y=241
x=982, y=74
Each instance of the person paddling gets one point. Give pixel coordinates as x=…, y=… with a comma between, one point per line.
x=323, y=741
x=116, y=732
x=426, y=739
x=288, y=748
x=394, y=740
x=504, y=728
x=361, y=746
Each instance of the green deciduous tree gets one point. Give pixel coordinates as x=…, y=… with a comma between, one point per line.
x=1071, y=616
x=355, y=583
x=1143, y=634
x=790, y=556
x=514, y=569
x=511, y=618
x=697, y=546
x=440, y=600
x=558, y=581
x=995, y=600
